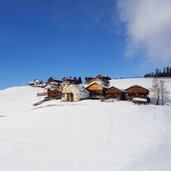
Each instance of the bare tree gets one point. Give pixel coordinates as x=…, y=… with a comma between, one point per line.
x=156, y=90
x=163, y=90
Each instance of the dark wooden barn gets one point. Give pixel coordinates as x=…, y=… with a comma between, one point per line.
x=114, y=92
x=54, y=80
x=55, y=93
x=136, y=91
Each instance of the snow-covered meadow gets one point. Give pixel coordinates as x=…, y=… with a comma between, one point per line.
x=83, y=136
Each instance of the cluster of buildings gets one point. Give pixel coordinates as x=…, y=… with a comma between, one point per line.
x=69, y=89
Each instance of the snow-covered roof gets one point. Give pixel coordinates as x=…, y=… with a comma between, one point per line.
x=78, y=87
x=122, y=90
x=136, y=86
x=97, y=82
x=36, y=80
x=81, y=88
x=54, y=83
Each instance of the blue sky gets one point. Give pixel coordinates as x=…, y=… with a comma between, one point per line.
x=43, y=38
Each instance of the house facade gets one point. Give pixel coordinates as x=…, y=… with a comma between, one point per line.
x=74, y=93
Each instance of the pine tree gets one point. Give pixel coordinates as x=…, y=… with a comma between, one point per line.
x=167, y=71
x=87, y=79
x=157, y=72
x=169, y=75
x=164, y=72
x=79, y=80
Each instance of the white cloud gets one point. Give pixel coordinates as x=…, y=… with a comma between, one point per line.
x=148, y=27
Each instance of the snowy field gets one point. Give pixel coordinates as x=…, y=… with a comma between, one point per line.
x=84, y=136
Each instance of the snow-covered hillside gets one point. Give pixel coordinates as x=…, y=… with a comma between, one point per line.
x=145, y=82
x=84, y=136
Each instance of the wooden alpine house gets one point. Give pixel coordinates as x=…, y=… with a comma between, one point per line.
x=136, y=91
x=115, y=93
x=55, y=93
x=97, y=91
x=52, y=80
